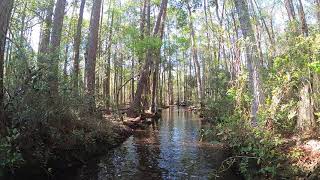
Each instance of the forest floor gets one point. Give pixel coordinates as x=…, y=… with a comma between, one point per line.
x=303, y=155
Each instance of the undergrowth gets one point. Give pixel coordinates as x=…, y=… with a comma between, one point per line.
x=264, y=151
x=45, y=132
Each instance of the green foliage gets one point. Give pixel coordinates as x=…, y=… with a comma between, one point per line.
x=286, y=77
x=258, y=151
x=10, y=155
x=315, y=66
x=139, y=46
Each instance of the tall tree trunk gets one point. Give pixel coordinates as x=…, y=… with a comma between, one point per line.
x=121, y=78
x=195, y=56
x=292, y=15
x=178, y=82
x=108, y=64
x=306, y=120
x=317, y=2
x=316, y=77
x=303, y=21
x=5, y=14
x=149, y=54
x=290, y=10
x=76, y=48
x=161, y=87
x=99, y=56
x=185, y=70
x=190, y=76
x=92, y=54
x=170, y=82
x=115, y=75
x=132, y=80
x=155, y=83
x=65, y=64
x=55, y=46
x=67, y=46
x=269, y=33
x=253, y=63
x=135, y=106
x=45, y=36
x=144, y=6
x=170, y=76
x=210, y=59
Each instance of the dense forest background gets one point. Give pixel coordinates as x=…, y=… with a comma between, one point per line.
x=250, y=67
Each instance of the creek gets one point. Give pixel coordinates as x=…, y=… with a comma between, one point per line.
x=167, y=149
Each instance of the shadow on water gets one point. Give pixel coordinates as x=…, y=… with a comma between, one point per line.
x=167, y=149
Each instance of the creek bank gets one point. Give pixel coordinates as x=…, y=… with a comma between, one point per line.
x=257, y=153
x=52, y=148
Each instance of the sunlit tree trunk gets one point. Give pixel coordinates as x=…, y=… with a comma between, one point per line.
x=195, y=56
x=306, y=120
x=55, y=46
x=76, y=48
x=290, y=10
x=92, y=54
x=146, y=89
x=5, y=13
x=156, y=69
x=253, y=63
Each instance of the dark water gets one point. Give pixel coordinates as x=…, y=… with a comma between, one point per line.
x=168, y=149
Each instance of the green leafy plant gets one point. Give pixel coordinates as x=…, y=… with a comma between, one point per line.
x=10, y=156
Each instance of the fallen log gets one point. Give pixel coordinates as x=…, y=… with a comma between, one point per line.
x=144, y=118
x=132, y=122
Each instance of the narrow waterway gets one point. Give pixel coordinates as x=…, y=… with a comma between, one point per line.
x=168, y=149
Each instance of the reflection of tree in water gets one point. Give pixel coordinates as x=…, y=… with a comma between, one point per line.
x=148, y=153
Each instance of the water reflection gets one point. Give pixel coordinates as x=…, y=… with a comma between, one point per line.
x=168, y=149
